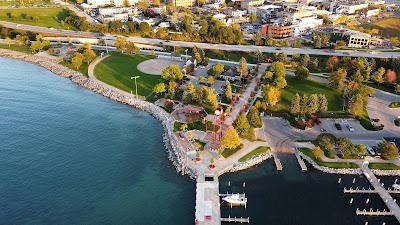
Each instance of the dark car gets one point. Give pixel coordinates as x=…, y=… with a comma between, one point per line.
x=337, y=125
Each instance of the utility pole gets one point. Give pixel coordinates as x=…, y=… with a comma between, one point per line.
x=135, y=77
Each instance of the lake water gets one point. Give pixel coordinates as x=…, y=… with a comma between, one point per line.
x=69, y=156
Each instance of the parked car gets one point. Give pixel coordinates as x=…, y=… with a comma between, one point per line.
x=350, y=127
x=375, y=120
x=338, y=127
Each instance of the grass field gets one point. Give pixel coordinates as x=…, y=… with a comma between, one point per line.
x=24, y=2
x=118, y=69
x=47, y=17
x=228, y=151
x=257, y=151
x=384, y=166
x=335, y=165
x=309, y=87
x=389, y=27
x=22, y=48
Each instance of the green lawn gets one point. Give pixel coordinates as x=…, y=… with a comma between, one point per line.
x=257, y=151
x=383, y=87
x=199, y=125
x=228, y=151
x=25, y=3
x=22, y=48
x=389, y=27
x=384, y=166
x=118, y=69
x=309, y=87
x=47, y=17
x=335, y=165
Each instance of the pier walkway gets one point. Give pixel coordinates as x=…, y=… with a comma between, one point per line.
x=207, y=201
x=367, y=191
x=300, y=161
x=383, y=193
x=278, y=163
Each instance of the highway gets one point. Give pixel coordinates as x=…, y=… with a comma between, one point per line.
x=185, y=44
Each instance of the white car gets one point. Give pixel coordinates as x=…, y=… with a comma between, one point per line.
x=350, y=128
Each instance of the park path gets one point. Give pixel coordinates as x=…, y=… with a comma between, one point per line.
x=245, y=96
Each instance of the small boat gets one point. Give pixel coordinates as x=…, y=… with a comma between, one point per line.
x=235, y=199
x=396, y=186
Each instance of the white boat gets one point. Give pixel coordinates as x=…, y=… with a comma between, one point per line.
x=396, y=186
x=235, y=199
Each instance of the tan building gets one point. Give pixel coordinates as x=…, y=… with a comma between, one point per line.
x=183, y=3
x=359, y=40
x=246, y=4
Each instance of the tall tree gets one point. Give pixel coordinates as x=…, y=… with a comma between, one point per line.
x=211, y=100
x=230, y=139
x=77, y=60
x=243, y=68
x=379, y=75
x=295, y=108
x=302, y=72
x=337, y=79
x=323, y=103
x=242, y=125
x=228, y=90
x=160, y=88
x=254, y=117
x=172, y=72
x=305, y=60
x=271, y=94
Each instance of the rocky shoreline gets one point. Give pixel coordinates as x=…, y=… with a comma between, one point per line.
x=176, y=153
x=347, y=171
x=247, y=164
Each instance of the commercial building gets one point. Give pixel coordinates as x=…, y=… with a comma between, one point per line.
x=358, y=40
x=117, y=3
x=246, y=4
x=353, y=38
x=351, y=9
x=306, y=24
x=277, y=30
x=182, y=3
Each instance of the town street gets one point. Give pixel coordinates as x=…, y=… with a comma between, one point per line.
x=185, y=44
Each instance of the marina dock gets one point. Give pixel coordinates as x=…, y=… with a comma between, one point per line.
x=300, y=161
x=278, y=163
x=383, y=193
x=236, y=220
x=367, y=191
x=373, y=213
x=207, y=201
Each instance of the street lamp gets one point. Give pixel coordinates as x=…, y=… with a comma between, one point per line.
x=135, y=77
x=186, y=50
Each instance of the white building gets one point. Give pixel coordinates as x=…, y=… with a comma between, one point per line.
x=306, y=24
x=114, y=17
x=351, y=9
x=117, y=3
x=373, y=12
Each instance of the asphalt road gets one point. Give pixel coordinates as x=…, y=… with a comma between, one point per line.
x=184, y=44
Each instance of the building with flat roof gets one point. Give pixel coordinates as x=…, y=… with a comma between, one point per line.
x=277, y=30
x=182, y=3
x=246, y=4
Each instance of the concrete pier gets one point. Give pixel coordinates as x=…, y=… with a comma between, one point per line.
x=207, y=201
x=278, y=163
x=300, y=161
x=383, y=193
x=367, y=191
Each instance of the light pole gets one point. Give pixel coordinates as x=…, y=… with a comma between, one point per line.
x=186, y=50
x=135, y=77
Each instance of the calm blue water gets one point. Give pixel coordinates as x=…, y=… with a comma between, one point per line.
x=68, y=156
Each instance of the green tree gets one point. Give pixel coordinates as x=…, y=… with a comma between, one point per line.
x=305, y=60
x=398, y=88
x=210, y=80
x=89, y=55
x=312, y=104
x=361, y=150
x=145, y=27
x=295, y=108
x=254, y=117
x=253, y=17
x=323, y=103
x=143, y=4
x=388, y=150
x=379, y=76
x=132, y=49
x=228, y=90
x=303, y=104
x=230, y=139
x=337, y=79
x=172, y=72
x=120, y=44
x=302, y=72
x=172, y=87
x=197, y=56
x=242, y=125
x=271, y=94
x=160, y=88
x=243, y=68
x=211, y=100
x=77, y=60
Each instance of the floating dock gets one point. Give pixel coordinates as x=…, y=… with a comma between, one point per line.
x=300, y=161
x=236, y=220
x=207, y=201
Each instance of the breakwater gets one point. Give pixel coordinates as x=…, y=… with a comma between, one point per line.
x=176, y=154
x=255, y=160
